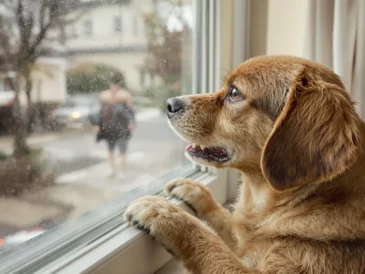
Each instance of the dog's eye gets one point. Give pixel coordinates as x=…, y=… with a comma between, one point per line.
x=234, y=95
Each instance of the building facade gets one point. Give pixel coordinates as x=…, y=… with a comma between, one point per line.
x=112, y=33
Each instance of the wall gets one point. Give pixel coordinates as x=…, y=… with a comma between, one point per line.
x=103, y=32
x=49, y=80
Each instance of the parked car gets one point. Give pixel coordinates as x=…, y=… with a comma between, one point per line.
x=77, y=111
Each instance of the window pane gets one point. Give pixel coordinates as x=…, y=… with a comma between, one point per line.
x=88, y=124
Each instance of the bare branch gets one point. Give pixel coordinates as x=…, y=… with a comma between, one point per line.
x=40, y=37
x=41, y=15
x=53, y=7
x=20, y=15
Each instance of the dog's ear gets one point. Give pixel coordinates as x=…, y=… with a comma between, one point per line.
x=314, y=138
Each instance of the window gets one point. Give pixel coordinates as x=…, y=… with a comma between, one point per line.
x=74, y=187
x=117, y=24
x=6, y=83
x=88, y=27
x=135, y=26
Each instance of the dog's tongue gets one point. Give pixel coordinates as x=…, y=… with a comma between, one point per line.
x=189, y=146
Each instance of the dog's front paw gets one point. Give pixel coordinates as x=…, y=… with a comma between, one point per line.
x=148, y=213
x=197, y=196
x=160, y=219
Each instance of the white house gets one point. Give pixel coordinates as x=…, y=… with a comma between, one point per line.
x=112, y=32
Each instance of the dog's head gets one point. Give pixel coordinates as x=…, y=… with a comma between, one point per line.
x=287, y=116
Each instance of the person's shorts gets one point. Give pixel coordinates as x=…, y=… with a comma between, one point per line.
x=120, y=142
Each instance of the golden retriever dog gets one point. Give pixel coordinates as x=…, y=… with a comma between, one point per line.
x=289, y=126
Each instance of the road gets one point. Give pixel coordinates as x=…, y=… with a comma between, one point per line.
x=81, y=168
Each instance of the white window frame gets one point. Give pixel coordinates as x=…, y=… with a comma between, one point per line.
x=125, y=249
x=128, y=250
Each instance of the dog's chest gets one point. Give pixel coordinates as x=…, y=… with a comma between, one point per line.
x=249, y=215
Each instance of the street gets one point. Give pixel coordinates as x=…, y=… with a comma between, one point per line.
x=82, y=171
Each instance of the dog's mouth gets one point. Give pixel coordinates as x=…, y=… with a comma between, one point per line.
x=211, y=154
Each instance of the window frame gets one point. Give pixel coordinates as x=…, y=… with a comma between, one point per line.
x=128, y=248
x=117, y=245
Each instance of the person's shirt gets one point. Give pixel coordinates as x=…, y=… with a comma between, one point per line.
x=108, y=98
x=121, y=96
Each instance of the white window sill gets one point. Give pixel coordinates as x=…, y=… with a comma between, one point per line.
x=128, y=250
x=172, y=267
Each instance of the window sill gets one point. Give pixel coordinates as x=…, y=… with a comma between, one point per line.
x=127, y=250
x=171, y=267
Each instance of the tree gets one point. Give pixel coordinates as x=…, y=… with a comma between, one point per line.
x=28, y=29
x=165, y=40
x=88, y=77
x=168, y=48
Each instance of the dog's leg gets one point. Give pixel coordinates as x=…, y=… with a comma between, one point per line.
x=188, y=239
x=199, y=198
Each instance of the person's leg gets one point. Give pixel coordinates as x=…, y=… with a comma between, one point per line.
x=122, y=162
x=122, y=156
x=111, y=160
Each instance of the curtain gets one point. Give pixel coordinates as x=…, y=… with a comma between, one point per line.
x=336, y=38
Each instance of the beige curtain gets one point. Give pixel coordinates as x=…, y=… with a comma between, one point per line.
x=336, y=38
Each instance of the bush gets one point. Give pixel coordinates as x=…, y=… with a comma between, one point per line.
x=87, y=78
x=19, y=175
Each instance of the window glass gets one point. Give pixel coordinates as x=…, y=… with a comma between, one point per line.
x=117, y=24
x=82, y=117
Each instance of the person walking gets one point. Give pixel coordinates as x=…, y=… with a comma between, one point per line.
x=116, y=122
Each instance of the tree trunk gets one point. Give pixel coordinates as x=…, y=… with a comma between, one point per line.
x=29, y=121
x=20, y=145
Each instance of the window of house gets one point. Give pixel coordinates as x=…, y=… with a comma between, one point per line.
x=64, y=186
x=117, y=24
x=135, y=26
x=6, y=83
x=88, y=27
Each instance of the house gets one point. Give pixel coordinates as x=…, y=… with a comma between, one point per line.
x=112, y=32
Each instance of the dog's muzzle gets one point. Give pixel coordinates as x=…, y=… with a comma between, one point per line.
x=174, y=106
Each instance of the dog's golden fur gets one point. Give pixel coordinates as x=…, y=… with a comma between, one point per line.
x=299, y=144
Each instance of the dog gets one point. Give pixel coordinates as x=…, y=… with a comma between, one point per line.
x=289, y=126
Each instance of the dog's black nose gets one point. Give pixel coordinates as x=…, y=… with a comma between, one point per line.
x=174, y=106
